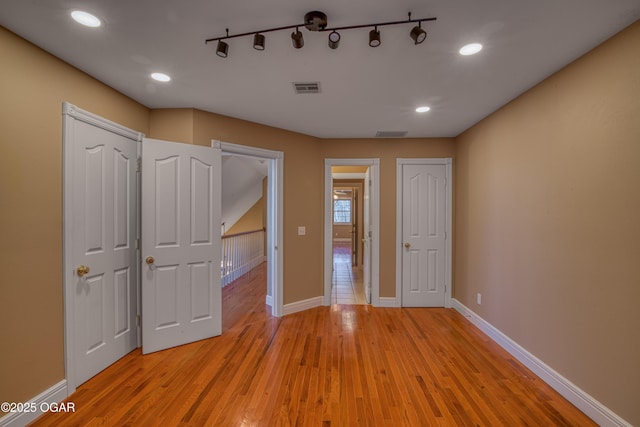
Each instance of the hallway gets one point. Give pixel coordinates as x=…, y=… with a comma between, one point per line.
x=343, y=365
x=347, y=286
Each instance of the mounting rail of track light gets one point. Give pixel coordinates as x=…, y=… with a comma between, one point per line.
x=317, y=21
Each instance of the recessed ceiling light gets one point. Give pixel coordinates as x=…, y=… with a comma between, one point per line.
x=85, y=19
x=470, y=49
x=161, y=77
x=423, y=109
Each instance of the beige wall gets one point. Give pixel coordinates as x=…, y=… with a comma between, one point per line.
x=33, y=86
x=548, y=222
x=172, y=124
x=349, y=169
x=252, y=220
x=342, y=231
x=387, y=150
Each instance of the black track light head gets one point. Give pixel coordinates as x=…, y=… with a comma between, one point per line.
x=374, y=37
x=258, y=41
x=418, y=34
x=222, y=50
x=334, y=39
x=296, y=39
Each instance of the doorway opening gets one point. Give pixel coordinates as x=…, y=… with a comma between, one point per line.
x=274, y=163
x=348, y=236
x=351, y=231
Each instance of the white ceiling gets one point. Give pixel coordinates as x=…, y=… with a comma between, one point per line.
x=241, y=173
x=364, y=90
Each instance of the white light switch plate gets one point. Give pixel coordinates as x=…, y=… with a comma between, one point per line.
x=302, y=231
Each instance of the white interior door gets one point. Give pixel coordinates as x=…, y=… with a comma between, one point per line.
x=424, y=219
x=366, y=255
x=181, y=292
x=100, y=252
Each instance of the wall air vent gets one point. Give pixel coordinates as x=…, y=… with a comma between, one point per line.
x=391, y=133
x=306, y=87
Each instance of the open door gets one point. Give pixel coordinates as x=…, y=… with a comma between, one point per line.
x=181, y=292
x=366, y=256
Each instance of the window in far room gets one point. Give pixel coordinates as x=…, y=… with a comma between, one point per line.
x=342, y=211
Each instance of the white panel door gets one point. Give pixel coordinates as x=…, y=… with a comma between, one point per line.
x=423, y=235
x=181, y=292
x=366, y=256
x=100, y=233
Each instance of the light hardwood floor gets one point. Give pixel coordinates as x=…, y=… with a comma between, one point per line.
x=347, y=285
x=343, y=365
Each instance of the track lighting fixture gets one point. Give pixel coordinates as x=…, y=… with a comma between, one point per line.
x=317, y=21
x=374, y=37
x=296, y=39
x=258, y=42
x=334, y=39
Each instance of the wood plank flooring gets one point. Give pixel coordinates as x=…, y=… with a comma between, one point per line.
x=347, y=284
x=344, y=365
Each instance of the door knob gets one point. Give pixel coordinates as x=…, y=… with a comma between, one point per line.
x=149, y=260
x=82, y=270
x=407, y=245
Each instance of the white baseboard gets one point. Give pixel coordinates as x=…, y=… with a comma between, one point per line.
x=579, y=398
x=269, y=300
x=54, y=394
x=306, y=304
x=391, y=302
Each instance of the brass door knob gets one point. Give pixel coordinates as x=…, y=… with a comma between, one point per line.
x=82, y=270
x=407, y=245
x=149, y=260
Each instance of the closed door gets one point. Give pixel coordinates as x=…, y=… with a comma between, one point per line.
x=100, y=239
x=181, y=291
x=424, y=217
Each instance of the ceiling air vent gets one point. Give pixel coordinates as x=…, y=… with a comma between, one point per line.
x=306, y=87
x=391, y=133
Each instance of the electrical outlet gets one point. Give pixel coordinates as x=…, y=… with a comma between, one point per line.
x=302, y=230
x=479, y=298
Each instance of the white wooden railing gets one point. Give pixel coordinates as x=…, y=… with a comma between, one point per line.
x=240, y=253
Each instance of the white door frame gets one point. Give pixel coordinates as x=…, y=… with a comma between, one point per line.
x=70, y=113
x=275, y=204
x=448, y=163
x=373, y=165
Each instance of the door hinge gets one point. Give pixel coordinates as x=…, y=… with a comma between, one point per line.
x=138, y=320
x=139, y=164
x=137, y=244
